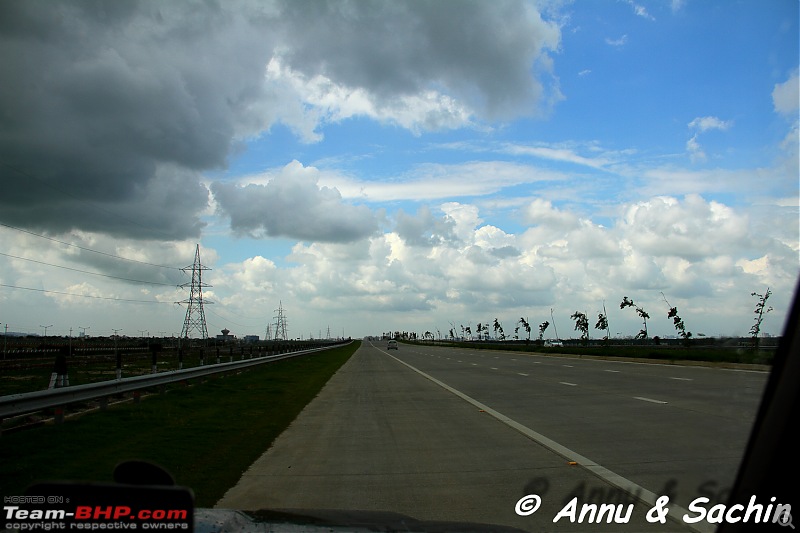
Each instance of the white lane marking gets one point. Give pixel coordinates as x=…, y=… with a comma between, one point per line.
x=493, y=367
x=614, y=371
x=683, y=379
x=648, y=399
x=522, y=374
x=626, y=485
x=569, y=366
x=568, y=383
x=474, y=364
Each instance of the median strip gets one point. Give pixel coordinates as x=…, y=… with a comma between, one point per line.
x=204, y=435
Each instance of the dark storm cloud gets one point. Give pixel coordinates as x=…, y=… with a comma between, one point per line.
x=114, y=107
x=110, y=111
x=480, y=52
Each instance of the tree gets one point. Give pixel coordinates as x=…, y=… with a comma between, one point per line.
x=497, y=327
x=542, y=328
x=581, y=324
x=627, y=302
x=469, y=332
x=602, y=323
x=677, y=321
x=760, y=311
x=526, y=327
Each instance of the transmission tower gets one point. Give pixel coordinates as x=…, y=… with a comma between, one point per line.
x=195, y=315
x=280, y=324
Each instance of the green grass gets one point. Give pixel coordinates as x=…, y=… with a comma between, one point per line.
x=205, y=435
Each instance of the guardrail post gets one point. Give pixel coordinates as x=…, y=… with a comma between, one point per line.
x=217, y=355
x=104, y=403
x=61, y=368
x=155, y=348
x=118, y=355
x=58, y=415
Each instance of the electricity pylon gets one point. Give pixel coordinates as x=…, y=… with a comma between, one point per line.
x=280, y=324
x=195, y=315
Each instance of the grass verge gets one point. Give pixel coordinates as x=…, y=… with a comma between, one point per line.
x=205, y=435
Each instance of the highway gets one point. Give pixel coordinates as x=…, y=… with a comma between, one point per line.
x=659, y=425
x=461, y=435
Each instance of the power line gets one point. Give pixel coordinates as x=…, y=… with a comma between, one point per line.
x=229, y=320
x=87, y=249
x=88, y=272
x=86, y=295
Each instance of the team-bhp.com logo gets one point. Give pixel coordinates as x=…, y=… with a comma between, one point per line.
x=94, y=517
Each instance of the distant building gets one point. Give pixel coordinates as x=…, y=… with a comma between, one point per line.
x=226, y=336
x=251, y=338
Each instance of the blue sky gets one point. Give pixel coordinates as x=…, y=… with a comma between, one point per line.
x=403, y=166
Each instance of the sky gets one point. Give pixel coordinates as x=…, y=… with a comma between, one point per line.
x=398, y=166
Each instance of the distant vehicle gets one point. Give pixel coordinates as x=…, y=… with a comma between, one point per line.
x=392, y=345
x=553, y=343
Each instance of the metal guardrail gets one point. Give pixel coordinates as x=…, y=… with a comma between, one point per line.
x=30, y=402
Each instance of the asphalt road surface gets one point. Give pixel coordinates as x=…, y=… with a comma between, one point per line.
x=462, y=435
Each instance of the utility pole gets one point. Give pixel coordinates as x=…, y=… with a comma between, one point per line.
x=116, y=353
x=554, y=323
x=45, y=329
